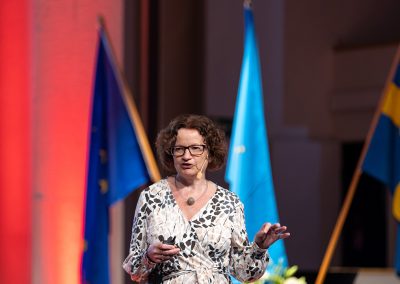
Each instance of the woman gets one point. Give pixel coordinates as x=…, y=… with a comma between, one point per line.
x=186, y=228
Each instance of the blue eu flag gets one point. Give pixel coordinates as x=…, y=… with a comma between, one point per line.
x=248, y=170
x=116, y=165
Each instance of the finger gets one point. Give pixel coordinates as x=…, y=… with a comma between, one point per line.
x=163, y=257
x=155, y=253
x=276, y=225
x=284, y=236
x=280, y=230
x=166, y=247
x=158, y=256
x=280, y=237
x=173, y=251
x=159, y=245
x=265, y=228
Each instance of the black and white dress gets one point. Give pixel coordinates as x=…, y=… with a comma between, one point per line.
x=213, y=243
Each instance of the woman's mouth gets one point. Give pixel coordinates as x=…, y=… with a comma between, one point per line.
x=186, y=165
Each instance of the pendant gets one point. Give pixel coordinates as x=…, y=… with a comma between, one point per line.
x=190, y=201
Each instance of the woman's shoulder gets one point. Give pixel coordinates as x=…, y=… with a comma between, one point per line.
x=157, y=189
x=228, y=196
x=161, y=184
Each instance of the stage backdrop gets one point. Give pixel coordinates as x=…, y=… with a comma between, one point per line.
x=15, y=141
x=47, y=55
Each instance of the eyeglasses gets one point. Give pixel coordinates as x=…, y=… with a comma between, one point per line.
x=194, y=150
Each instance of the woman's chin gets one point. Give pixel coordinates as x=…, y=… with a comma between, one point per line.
x=187, y=172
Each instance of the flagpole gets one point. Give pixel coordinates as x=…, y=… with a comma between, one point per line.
x=356, y=177
x=133, y=112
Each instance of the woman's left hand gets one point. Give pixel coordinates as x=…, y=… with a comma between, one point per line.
x=268, y=234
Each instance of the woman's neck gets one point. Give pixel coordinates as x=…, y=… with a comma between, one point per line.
x=193, y=182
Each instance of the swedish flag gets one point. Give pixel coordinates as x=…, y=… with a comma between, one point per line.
x=382, y=160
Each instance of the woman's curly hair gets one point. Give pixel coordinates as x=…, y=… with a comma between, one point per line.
x=213, y=136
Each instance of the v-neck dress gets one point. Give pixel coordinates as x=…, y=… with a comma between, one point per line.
x=213, y=244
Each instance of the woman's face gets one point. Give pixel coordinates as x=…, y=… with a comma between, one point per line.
x=190, y=152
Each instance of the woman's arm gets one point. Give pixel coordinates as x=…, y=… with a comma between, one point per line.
x=137, y=263
x=247, y=261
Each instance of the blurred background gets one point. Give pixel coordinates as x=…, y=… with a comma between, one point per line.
x=324, y=66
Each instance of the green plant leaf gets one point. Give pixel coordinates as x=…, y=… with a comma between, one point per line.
x=291, y=271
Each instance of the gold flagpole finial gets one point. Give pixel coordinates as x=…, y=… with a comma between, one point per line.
x=247, y=3
x=101, y=21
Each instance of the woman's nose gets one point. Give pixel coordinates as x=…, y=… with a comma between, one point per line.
x=187, y=154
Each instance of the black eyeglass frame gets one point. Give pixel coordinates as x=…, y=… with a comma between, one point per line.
x=172, y=150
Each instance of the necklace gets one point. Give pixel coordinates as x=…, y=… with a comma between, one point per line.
x=190, y=201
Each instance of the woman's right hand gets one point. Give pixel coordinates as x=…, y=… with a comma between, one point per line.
x=159, y=252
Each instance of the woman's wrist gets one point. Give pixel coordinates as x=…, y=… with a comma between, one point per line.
x=258, y=247
x=148, y=261
x=148, y=257
x=259, y=252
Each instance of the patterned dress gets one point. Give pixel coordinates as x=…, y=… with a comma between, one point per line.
x=213, y=244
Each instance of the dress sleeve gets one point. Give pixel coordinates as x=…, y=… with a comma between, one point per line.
x=247, y=261
x=137, y=264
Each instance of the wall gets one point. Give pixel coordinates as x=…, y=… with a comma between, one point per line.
x=299, y=43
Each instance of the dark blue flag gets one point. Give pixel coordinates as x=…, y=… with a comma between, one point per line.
x=116, y=163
